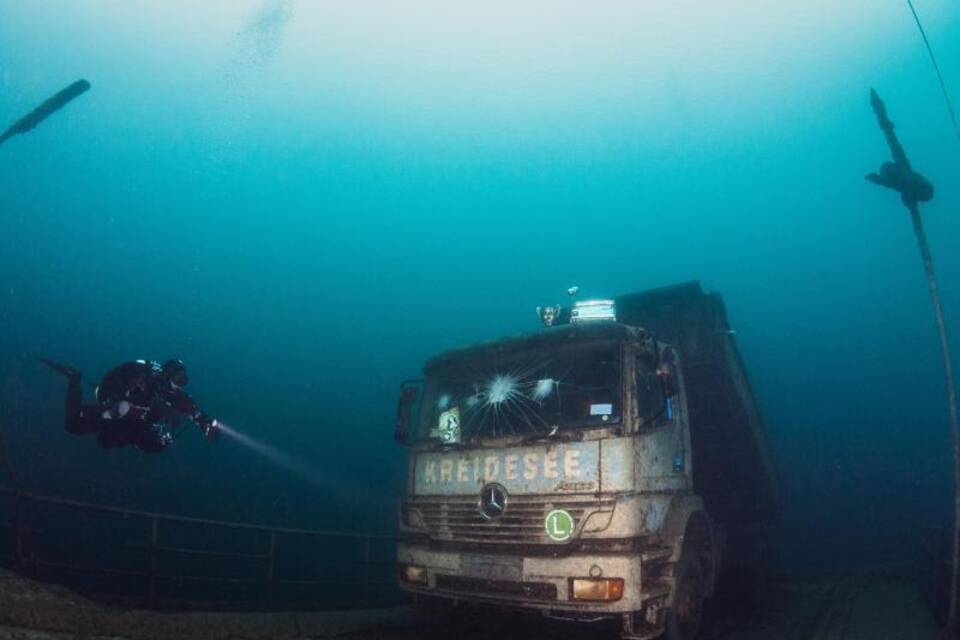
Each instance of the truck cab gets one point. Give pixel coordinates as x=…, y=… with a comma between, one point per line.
x=557, y=472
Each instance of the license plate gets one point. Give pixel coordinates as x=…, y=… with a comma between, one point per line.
x=492, y=567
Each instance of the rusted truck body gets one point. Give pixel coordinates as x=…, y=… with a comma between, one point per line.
x=595, y=469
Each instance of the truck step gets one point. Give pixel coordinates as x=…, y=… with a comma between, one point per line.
x=656, y=591
x=666, y=580
x=659, y=554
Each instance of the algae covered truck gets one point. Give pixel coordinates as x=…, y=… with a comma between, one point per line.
x=614, y=464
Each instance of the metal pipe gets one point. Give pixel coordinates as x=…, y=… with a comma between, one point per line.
x=951, y=402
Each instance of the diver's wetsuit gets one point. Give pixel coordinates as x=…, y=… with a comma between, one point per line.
x=135, y=406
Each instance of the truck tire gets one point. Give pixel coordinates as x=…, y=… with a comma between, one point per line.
x=757, y=579
x=683, y=618
x=744, y=581
x=433, y=614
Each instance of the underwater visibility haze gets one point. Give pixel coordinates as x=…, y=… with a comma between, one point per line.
x=304, y=201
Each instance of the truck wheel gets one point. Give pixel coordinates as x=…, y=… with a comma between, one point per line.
x=683, y=618
x=758, y=579
x=432, y=614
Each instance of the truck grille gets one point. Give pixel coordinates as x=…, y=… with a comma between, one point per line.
x=458, y=519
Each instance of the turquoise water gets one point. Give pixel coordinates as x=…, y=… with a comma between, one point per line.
x=304, y=200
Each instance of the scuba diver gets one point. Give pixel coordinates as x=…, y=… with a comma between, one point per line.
x=138, y=403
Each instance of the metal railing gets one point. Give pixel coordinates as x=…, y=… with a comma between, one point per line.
x=87, y=546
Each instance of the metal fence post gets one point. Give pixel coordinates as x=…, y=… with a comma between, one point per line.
x=366, y=569
x=18, y=527
x=154, y=538
x=7, y=466
x=271, y=560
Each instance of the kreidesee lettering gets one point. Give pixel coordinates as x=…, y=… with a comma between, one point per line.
x=491, y=468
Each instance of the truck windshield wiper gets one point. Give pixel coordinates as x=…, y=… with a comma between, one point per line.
x=448, y=446
x=468, y=443
x=554, y=434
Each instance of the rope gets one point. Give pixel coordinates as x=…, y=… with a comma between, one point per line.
x=936, y=67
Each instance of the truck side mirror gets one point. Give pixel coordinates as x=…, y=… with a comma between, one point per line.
x=406, y=408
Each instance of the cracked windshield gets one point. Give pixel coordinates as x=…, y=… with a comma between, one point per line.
x=532, y=394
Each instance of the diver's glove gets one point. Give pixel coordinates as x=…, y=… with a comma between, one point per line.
x=209, y=426
x=211, y=430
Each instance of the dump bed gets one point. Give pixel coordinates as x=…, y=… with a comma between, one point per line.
x=732, y=467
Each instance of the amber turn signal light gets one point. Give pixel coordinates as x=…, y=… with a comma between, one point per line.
x=596, y=589
x=413, y=574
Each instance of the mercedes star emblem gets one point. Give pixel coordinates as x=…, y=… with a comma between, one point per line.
x=493, y=501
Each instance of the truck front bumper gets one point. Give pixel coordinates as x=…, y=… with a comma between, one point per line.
x=525, y=581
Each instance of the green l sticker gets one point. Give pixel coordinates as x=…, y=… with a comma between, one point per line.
x=559, y=524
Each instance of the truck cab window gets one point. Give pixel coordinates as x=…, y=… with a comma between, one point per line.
x=651, y=402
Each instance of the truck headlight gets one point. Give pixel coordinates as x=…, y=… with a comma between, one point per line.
x=596, y=589
x=413, y=574
x=412, y=517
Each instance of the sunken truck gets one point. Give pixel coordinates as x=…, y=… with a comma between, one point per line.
x=612, y=465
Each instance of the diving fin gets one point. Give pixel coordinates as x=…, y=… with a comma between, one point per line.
x=62, y=369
